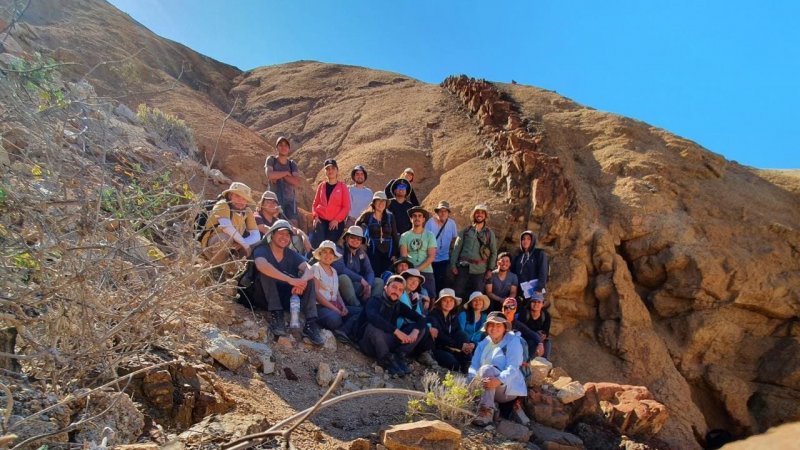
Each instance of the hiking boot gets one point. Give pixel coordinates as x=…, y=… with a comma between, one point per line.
x=342, y=337
x=427, y=359
x=389, y=364
x=277, y=324
x=485, y=417
x=402, y=364
x=312, y=332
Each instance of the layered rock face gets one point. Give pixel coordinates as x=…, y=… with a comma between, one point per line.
x=672, y=268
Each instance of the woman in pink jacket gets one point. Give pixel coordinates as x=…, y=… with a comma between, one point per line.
x=331, y=206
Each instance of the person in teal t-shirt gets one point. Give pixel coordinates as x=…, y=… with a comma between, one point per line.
x=419, y=245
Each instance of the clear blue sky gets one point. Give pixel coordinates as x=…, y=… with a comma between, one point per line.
x=725, y=74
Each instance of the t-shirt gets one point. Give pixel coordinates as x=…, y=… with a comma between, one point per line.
x=288, y=265
x=328, y=285
x=360, y=198
x=400, y=211
x=488, y=351
x=418, y=245
x=502, y=288
x=443, y=241
x=281, y=188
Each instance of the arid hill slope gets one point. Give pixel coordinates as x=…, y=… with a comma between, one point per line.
x=671, y=267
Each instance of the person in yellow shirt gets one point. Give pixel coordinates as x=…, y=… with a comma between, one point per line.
x=231, y=227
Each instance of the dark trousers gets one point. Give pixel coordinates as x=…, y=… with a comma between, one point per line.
x=440, y=269
x=322, y=233
x=278, y=293
x=378, y=344
x=331, y=320
x=450, y=360
x=466, y=283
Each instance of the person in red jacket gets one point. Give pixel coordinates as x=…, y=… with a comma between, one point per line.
x=331, y=206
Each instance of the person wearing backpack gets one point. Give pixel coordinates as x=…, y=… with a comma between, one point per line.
x=269, y=212
x=475, y=254
x=230, y=228
x=380, y=233
x=284, y=176
x=496, y=365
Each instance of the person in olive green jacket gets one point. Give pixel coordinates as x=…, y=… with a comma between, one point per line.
x=474, y=254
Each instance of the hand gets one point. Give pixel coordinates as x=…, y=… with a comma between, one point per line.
x=467, y=347
x=333, y=224
x=434, y=332
x=414, y=335
x=343, y=312
x=366, y=288
x=402, y=337
x=247, y=250
x=298, y=283
x=490, y=382
x=455, y=270
x=315, y=222
x=297, y=291
x=487, y=276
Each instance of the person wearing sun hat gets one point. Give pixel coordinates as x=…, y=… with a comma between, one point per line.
x=419, y=245
x=283, y=177
x=474, y=254
x=416, y=298
x=445, y=230
x=357, y=280
x=380, y=233
x=231, y=227
x=331, y=309
x=452, y=346
x=473, y=317
x=496, y=365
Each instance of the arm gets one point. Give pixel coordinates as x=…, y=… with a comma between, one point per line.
x=369, y=274
x=490, y=293
x=376, y=319
x=493, y=255
x=513, y=360
x=429, y=260
x=544, y=267
x=412, y=316
x=254, y=234
x=227, y=227
x=342, y=268
x=294, y=177
x=475, y=363
x=413, y=198
x=456, y=251
x=316, y=204
x=341, y=216
x=272, y=175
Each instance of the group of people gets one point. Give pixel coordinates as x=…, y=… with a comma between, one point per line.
x=388, y=277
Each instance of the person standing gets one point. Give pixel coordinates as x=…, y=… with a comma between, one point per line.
x=400, y=205
x=331, y=206
x=474, y=254
x=408, y=176
x=380, y=232
x=360, y=194
x=419, y=245
x=531, y=265
x=284, y=176
x=445, y=230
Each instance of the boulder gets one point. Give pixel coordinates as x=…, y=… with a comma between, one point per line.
x=540, y=368
x=223, y=350
x=570, y=392
x=324, y=374
x=630, y=409
x=119, y=413
x=422, y=435
x=548, y=438
x=514, y=431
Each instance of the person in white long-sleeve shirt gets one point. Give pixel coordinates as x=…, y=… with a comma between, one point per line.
x=231, y=227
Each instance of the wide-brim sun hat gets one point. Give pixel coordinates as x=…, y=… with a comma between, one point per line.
x=354, y=230
x=380, y=195
x=442, y=205
x=408, y=273
x=495, y=317
x=419, y=209
x=269, y=195
x=322, y=246
x=241, y=190
x=475, y=296
x=447, y=292
x=480, y=207
x=279, y=224
x=402, y=259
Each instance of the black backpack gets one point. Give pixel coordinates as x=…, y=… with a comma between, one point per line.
x=248, y=288
x=201, y=218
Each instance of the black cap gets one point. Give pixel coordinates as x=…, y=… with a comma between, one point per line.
x=330, y=162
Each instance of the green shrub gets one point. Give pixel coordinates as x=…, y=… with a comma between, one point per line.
x=172, y=130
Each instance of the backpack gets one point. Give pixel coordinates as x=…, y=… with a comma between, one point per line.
x=201, y=218
x=271, y=160
x=249, y=291
x=525, y=367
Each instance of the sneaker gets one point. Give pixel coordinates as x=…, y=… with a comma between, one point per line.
x=485, y=417
x=342, y=337
x=402, y=364
x=390, y=366
x=277, y=324
x=311, y=331
x=427, y=359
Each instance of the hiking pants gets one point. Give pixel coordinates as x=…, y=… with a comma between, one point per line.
x=450, y=360
x=278, y=293
x=379, y=344
x=496, y=395
x=440, y=269
x=466, y=283
x=321, y=233
x=353, y=295
x=329, y=319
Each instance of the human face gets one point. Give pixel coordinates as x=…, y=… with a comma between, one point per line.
x=418, y=219
x=477, y=304
x=400, y=193
x=359, y=177
x=379, y=205
x=394, y=290
x=269, y=206
x=326, y=256
x=402, y=267
x=353, y=241
x=447, y=304
x=283, y=148
x=331, y=172
x=237, y=200
x=281, y=238
x=504, y=263
x=479, y=216
x=525, y=242
x=536, y=307
x=496, y=331
x=443, y=214
x=408, y=176
x=412, y=283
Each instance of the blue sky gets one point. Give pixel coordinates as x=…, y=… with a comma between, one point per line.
x=725, y=74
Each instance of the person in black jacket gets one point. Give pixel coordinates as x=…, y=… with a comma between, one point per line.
x=537, y=320
x=530, y=264
x=452, y=350
x=380, y=337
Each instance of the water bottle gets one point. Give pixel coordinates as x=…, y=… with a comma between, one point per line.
x=294, y=310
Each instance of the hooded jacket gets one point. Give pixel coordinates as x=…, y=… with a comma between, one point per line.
x=531, y=265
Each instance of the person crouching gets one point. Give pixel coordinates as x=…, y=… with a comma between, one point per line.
x=453, y=348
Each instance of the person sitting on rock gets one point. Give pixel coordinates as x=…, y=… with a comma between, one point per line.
x=453, y=349
x=399, y=266
x=331, y=309
x=474, y=254
x=538, y=321
x=495, y=365
x=445, y=230
x=419, y=245
x=511, y=313
x=357, y=281
x=231, y=228
x=269, y=212
x=400, y=205
x=331, y=205
x=531, y=265
x=378, y=335
x=282, y=272
x=407, y=176
x=380, y=231
x=503, y=283
x=417, y=298
x=472, y=319
x=360, y=194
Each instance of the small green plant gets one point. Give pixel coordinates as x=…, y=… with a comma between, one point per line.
x=172, y=130
x=446, y=398
x=38, y=77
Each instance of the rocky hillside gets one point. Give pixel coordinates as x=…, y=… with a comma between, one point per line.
x=672, y=267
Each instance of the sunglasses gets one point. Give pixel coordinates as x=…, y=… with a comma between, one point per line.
x=510, y=307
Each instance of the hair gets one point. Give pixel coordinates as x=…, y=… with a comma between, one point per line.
x=419, y=285
x=396, y=279
x=504, y=255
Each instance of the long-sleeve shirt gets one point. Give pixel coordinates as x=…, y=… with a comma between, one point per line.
x=507, y=357
x=356, y=266
x=532, y=265
x=468, y=249
x=472, y=329
x=337, y=207
x=383, y=313
x=450, y=333
x=234, y=223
